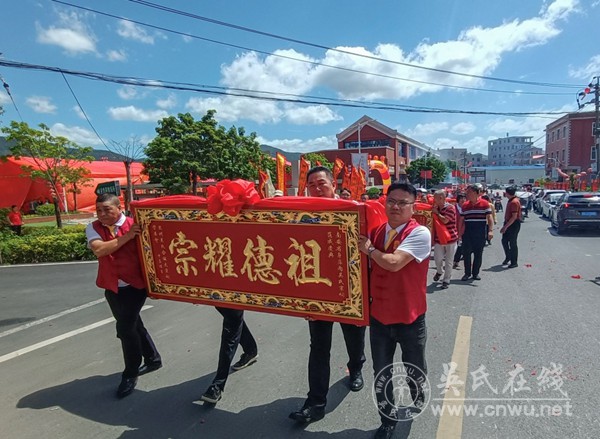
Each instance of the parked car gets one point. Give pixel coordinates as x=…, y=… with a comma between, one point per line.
x=549, y=202
x=537, y=202
x=576, y=209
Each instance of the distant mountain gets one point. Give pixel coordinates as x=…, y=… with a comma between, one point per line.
x=272, y=151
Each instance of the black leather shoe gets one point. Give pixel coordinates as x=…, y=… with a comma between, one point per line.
x=126, y=387
x=356, y=381
x=385, y=431
x=465, y=277
x=476, y=277
x=505, y=262
x=513, y=265
x=308, y=414
x=149, y=367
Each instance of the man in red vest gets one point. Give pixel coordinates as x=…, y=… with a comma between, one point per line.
x=320, y=183
x=399, y=254
x=112, y=239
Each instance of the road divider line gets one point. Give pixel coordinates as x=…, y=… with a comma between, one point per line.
x=450, y=425
x=52, y=317
x=58, y=338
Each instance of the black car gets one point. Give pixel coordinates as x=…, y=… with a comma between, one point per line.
x=576, y=209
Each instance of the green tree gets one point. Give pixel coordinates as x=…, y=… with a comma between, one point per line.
x=57, y=160
x=426, y=163
x=314, y=157
x=185, y=151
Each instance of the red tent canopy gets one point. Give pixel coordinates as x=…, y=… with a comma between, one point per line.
x=17, y=187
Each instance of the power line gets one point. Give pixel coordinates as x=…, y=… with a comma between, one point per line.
x=315, y=63
x=83, y=111
x=140, y=82
x=321, y=46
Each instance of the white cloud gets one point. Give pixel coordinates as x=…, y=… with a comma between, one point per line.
x=78, y=111
x=231, y=108
x=4, y=98
x=299, y=145
x=310, y=115
x=587, y=72
x=116, y=55
x=127, y=92
x=132, y=31
x=76, y=134
x=474, y=145
x=426, y=129
x=169, y=102
x=462, y=128
x=476, y=51
x=136, y=114
x=187, y=38
x=70, y=33
x=41, y=104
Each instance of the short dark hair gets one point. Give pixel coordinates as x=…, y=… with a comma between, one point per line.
x=111, y=198
x=345, y=189
x=316, y=169
x=13, y=206
x=475, y=187
x=406, y=187
x=511, y=190
x=460, y=196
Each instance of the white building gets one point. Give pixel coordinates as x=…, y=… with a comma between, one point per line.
x=509, y=150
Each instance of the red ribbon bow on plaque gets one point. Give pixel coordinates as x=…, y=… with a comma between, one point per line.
x=230, y=196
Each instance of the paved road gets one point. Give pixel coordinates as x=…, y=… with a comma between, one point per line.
x=538, y=322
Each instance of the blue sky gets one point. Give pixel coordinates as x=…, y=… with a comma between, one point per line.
x=541, y=42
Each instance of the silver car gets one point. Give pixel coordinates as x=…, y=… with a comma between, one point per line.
x=549, y=202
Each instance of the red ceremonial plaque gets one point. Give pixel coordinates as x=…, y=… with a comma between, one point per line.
x=293, y=255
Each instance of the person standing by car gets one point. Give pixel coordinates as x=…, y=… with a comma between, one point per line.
x=510, y=229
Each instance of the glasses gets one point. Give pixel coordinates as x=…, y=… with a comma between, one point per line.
x=400, y=203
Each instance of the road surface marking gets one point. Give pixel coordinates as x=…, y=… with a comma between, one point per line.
x=52, y=317
x=58, y=338
x=450, y=425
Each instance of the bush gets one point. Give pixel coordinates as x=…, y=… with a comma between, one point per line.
x=45, y=210
x=53, y=230
x=36, y=248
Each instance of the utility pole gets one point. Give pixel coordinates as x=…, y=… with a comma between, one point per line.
x=597, y=123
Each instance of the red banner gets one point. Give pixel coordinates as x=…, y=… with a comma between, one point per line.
x=262, y=181
x=304, y=168
x=426, y=174
x=295, y=256
x=280, y=158
x=338, y=166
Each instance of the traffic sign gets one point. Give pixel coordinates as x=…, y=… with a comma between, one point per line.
x=110, y=187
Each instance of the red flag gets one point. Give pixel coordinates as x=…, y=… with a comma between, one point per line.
x=426, y=174
x=262, y=180
x=338, y=165
x=304, y=168
x=346, y=178
x=280, y=158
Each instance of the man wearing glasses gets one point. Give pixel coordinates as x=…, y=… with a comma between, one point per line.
x=320, y=183
x=399, y=253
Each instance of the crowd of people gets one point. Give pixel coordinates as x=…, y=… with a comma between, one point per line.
x=398, y=252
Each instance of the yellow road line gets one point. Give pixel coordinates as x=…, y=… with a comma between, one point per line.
x=450, y=425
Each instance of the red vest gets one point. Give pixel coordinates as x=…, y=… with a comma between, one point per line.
x=397, y=297
x=123, y=264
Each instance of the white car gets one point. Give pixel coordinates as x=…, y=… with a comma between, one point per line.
x=548, y=203
x=538, y=202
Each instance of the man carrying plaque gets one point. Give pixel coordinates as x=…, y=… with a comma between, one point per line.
x=320, y=183
x=399, y=253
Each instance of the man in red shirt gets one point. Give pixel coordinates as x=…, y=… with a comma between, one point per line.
x=112, y=239
x=476, y=215
x=510, y=229
x=443, y=254
x=15, y=219
x=399, y=253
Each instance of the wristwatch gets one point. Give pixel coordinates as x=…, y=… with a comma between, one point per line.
x=371, y=250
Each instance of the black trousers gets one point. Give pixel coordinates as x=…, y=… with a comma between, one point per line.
x=135, y=339
x=319, y=369
x=473, y=249
x=234, y=333
x=458, y=254
x=509, y=242
x=16, y=230
x=412, y=339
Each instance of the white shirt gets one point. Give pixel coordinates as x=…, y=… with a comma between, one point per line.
x=92, y=235
x=417, y=243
